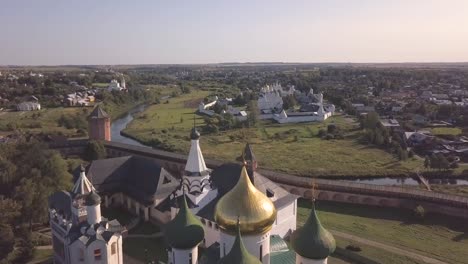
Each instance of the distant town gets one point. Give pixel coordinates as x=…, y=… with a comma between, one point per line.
x=171, y=163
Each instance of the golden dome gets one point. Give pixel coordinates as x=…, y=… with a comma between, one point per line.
x=255, y=212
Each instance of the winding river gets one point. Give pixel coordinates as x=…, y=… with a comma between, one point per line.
x=121, y=123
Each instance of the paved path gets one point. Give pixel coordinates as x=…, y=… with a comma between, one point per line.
x=388, y=248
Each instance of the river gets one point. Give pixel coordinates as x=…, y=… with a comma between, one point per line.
x=121, y=123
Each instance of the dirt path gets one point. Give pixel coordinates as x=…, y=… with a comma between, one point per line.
x=388, y=248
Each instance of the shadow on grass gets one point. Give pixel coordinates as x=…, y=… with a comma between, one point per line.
x=460, y=237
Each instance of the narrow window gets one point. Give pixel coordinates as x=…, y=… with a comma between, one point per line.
x=113, y=248
x=81, y=255
x=190, y=258
x=97, y=254
x=261, y=252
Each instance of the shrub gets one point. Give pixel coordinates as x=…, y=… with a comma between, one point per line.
x=322, y=133
x=354, y=248
x=419, y=212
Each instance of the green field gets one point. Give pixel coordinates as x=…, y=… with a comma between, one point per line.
x=276, y=146
x=446, y=131
x=439, y=237
x=368, y=253
x=44, y=120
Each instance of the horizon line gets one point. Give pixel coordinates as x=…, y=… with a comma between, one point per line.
x=227, y=63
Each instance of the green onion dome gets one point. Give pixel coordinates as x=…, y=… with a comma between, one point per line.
x=239, y=254
x=185, y=231
x=312, y=241
x=92, y=199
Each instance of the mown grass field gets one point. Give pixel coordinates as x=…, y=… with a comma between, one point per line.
x=293, y=148
x=439, y=237
x=446, y=131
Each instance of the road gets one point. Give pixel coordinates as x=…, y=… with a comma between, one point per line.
x=388, y=248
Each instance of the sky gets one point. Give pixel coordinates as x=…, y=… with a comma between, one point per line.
x=61, y=32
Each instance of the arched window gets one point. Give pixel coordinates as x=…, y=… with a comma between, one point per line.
x=113, y=248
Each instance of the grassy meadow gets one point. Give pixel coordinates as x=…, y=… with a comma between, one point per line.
x=436, y=236
x=44, y=120
x=276, y=146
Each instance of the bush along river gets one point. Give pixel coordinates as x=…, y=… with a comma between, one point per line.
x=121, y=123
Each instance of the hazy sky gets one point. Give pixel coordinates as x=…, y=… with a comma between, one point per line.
x=50, y=32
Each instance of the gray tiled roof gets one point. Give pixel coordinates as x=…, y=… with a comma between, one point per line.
x=137, y=177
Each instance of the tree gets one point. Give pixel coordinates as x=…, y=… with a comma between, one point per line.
x=7, y=240
x=10, y=211
x=33, y=194
x=252, y=116
x=95, y=150
x=289, y=102
x=427, y=162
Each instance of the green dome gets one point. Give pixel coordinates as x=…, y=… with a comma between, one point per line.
x=239, y=254
x=185, y=230
x=312, y=241
x=92, y=199
x=194, y=134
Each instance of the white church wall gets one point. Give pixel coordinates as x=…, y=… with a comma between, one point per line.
x=115, y=246
x=285, y=220
x=212, y=234
x=189, y=256
x=255, y=244
x=91, y=252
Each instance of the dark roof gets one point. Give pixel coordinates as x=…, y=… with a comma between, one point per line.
x=207, y=211
x=137, y=177
x=61, y=201
x=225, y=177
x=98, y=112
x=248, y=152
x=239, y=254
x=211, y=254
x=92, y=199
x=185, y=230
x=174, y=201
x=312, y=241
x=194, y=134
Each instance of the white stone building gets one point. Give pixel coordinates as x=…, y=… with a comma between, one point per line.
x=79, y=233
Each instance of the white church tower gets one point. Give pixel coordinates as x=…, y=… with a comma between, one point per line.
x=196, y=177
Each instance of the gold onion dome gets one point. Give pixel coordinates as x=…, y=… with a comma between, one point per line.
x=246, y=204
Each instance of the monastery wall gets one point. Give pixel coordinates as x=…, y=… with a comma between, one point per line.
x=340, y=191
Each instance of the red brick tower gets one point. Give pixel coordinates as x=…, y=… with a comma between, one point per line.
x=99, y=125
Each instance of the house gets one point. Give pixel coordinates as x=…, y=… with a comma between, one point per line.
x=28, y=106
